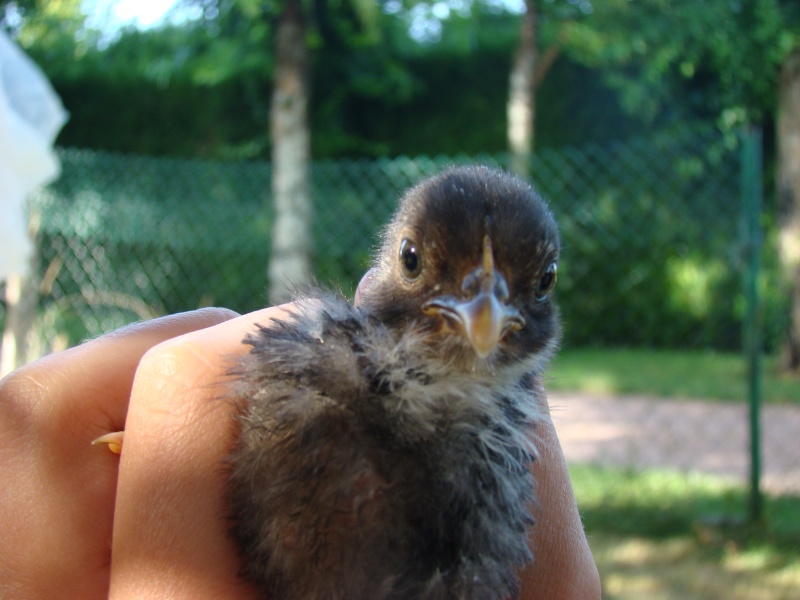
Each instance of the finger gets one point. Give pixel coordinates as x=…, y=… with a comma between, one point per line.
x=170, y=530
x=563, y=566
x=57, y=497
x=92, y=382
x=113, y=440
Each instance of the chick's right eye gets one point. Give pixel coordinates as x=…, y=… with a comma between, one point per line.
x=410, y=261
x=547, y=282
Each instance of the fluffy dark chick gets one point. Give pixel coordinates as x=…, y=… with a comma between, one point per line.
x=384, y=451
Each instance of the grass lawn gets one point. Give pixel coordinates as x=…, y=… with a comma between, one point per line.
x=665, y=535
x=677, y=374
x=681, y=568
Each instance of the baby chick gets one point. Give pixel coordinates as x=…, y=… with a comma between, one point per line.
x=383, y=450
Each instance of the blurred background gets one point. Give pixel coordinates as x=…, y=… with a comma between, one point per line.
x=218, y=149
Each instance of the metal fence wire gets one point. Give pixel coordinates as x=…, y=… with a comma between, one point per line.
x=651, y=235
x=652, y=257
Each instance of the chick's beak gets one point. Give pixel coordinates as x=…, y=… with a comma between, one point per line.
x=484, y=317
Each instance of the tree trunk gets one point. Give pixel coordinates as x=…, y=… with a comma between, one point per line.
x=521, y=109
x=789, y=197
x=290, y=264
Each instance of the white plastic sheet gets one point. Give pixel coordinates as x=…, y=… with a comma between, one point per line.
x=31, y=116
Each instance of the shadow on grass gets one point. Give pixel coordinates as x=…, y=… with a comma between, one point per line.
x=660, y=504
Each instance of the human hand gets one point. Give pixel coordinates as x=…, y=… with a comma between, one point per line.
x=169, y=520
x=563, y=566
x=58, y=493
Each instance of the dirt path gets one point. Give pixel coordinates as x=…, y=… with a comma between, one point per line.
x=689, y=435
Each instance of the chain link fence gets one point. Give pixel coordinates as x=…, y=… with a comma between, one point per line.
x=652, y=250
x=651, y=233
x=652, y=258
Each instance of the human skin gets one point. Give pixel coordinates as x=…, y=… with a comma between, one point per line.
x=77, y=521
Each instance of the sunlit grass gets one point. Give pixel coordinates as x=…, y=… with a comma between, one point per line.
x=676, y=374
x=667, y=535
x=682, y=568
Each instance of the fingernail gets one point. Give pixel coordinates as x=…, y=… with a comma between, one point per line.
x=113, y=439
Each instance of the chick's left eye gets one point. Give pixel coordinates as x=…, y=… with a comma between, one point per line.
x=547, y=282
x=409, y=259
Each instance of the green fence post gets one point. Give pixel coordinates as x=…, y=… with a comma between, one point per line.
x=751, y=193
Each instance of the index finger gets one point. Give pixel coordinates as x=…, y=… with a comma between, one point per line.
x=170, y=528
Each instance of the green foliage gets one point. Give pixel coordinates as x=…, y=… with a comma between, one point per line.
x=203, y=88
x=231, y=41
x=449, y=97
x=162, y=120
x=53, y=31
x=724, y=54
